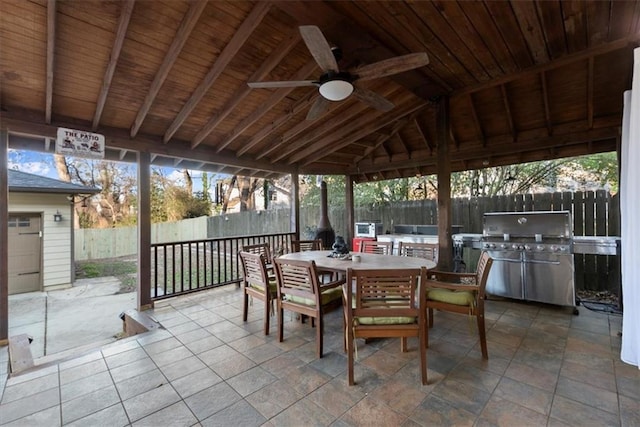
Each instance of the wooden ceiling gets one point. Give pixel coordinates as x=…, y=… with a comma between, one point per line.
x=524, y=81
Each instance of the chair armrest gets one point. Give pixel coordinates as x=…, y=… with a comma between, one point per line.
x=334, y=284
x=434, y=284
x=446, y=276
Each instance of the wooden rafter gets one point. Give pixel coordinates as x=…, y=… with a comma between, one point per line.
x=476, y=120
x=403, y=144
x=361, y=132
x=51, y=46
x=186, y=26
x=264, y=108
x=122, y=154
x=274, y=59
x=590, y=93
x=545, y=98
x=300, y=105
x=423, y=135
x=230, y=50
x=121, y=32
x=507, y=109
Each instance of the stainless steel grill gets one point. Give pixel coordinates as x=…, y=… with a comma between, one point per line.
x=532, y=254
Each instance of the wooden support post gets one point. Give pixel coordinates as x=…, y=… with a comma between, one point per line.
x=295, y=204
x=4, y=239
x=349, y=231
x=445, y=216
x=144, y=232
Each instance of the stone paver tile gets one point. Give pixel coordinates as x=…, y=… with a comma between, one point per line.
x=337, y=396
x=113, y=416
x=124, y=357
x=306, y=379
x=176, y=415
x=434, y=411
x=588, y=394
x=195, y=382
x=162, y=346
x=629, y=412
x=629, y=387
x=82, y=371
x=462, y=395
x=184, y=328
x=275, y=397
x=91, y=357
x=578, y=372
x=238, y=414
x=211, y=400
x=119, y=347
x=85, y=385
x=332, y=363
x=251, y=380
x=402, y=394
x=533, y=376
x=132, y=369
x=46, y=418
x=182, y=368
x=149, y=402
x=372, y=412
x=231, y=367
x=171, y=356
x=193, y=335
x=151, y=337
x=205, y=344
x=89, y=404
x=524, y=395
x=30, y=405
x=140, y=384
x=31, y=387
x=17, y=379
x=576, y=413
x=475, y=377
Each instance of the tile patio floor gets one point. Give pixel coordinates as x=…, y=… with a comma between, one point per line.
x=207, y=367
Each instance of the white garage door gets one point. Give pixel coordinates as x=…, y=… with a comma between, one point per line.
x=25, y=249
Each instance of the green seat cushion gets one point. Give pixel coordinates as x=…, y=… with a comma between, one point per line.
x=327, y=296
x=397, y=320
x=452, y=297
x=273, y=286
x=392, y=320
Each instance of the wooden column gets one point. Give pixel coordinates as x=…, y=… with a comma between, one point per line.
x=445, y=216
x=349, y=210
x=295, y=204
x=144, y=232
x=4, y=239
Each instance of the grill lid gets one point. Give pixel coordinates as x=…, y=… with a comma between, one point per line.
x=549, y=224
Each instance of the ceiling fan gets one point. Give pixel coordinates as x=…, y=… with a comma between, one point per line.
x=337, y=85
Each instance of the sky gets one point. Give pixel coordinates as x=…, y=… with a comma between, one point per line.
x=42, y=164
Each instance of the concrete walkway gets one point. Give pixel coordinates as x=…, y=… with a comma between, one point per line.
x=85, y=314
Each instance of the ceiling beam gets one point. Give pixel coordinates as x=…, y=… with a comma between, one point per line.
x=423, y=135
x=590, y=93
x=51, y=47
x=561, y=62
x=382, y=139
x=274, y=59
x=476, y=120
x=121, y=32
x=403, y=144
x=300, y=105
x=266, y=106
x=247, y=27
x=507, y=108
x=545, y=98
x=186, y=26
x=359, y=132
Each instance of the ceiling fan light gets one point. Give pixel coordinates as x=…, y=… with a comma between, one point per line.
x=336, y=90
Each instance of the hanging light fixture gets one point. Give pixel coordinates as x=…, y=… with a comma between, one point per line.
x=57, y=217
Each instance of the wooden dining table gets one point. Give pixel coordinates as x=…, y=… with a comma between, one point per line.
x=367, y=261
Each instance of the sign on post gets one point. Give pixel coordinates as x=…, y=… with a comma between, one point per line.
x=78, y=143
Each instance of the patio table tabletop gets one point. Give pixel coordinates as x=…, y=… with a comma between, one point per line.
x=367, y=261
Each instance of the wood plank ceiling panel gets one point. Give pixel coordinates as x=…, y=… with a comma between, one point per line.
x=607, y=90
x=510, y=31
x=568, y=93
x=23, y=53
x=575, y=17
x=492, y=115
x=528, y=109
x=553, y=27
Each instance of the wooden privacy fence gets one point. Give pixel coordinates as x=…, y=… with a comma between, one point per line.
x=593, y=214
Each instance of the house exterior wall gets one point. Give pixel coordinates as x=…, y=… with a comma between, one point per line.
x=56, y=236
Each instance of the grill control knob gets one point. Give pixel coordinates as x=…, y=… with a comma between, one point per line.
x=515, y=247
x=540, y=247
x=554, y=248
x=504, y=246
x=527, y=247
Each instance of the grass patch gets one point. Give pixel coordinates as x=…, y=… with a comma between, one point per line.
x=123, y=269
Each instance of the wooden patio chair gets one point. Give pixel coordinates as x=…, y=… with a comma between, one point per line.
x=383, y=304
x=260, y=248
x=300, y=291
x=375, y=247
x=306, y=245
x=419, y=250
x=257, y=283
x=461, y=293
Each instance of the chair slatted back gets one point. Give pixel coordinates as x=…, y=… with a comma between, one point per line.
x=375, y=247
x=419, y=250
x=306, y=245
x=482, y=273
x=297, y=278
x=254, y=267
x=259, y=248
x=386, y=293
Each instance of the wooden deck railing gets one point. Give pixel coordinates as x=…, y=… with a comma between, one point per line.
x=189, y=266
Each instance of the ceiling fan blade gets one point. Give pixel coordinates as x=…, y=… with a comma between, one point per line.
x=378, y=102
x=319, y=47
x=318, y=108
x=290, y=83
x=391, y=66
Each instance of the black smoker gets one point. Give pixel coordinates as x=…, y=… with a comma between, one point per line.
x=324, y=231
